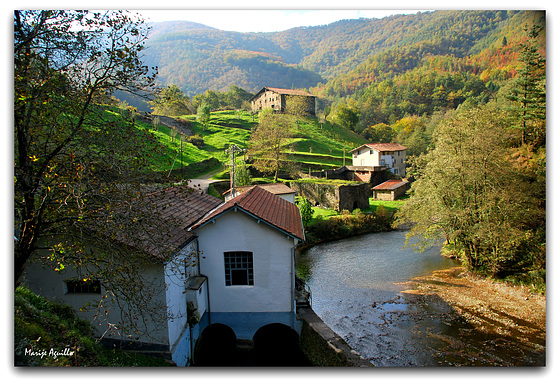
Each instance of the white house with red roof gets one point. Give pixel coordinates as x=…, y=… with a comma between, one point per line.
x=389, y=155
x=247, y=252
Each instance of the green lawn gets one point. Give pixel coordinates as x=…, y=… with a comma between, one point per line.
x=389, y=205
x=320, y=148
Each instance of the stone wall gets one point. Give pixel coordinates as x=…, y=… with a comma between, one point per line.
x=334, y=196
x=322, y=346
x=353, y=197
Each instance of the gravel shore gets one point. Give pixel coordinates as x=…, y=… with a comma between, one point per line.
x=495, y=323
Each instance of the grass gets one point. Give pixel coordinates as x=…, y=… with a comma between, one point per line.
x=42, y=325
x=389, y=205
x=311, y=145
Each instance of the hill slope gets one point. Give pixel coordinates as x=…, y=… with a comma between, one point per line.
x=197, y=58
x=313, y=145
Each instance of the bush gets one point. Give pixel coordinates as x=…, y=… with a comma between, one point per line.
x=196, y=140
x=348, y=224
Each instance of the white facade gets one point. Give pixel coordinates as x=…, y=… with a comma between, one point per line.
x=107, y=317
x=176, y=273
x=270, y=299
x=164, y=318
x=367, y=156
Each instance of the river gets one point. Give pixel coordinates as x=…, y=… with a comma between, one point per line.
x=355, y=290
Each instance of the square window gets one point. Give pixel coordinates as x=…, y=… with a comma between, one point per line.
x=238, y=268
x=78, y=286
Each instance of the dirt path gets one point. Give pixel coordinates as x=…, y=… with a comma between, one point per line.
x=499, y=324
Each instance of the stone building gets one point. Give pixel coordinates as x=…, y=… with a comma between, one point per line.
x=390, y=190
x=284, y=100
x=334, y=195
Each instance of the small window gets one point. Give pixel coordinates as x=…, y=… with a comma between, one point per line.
x=239, y=268
x=80, y=286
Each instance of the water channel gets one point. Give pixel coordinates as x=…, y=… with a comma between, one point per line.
x=355, y=292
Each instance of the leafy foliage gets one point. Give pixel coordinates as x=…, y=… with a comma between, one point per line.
x=268, y=141
x=471, y=195
x=65, y=154
x=306, y=210
x=171, y=101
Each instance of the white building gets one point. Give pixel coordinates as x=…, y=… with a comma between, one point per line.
x=164, y=294
x=247, y=253
x=231, y=263
x=389, y=155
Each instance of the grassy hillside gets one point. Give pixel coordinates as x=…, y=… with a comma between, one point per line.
x=43, y=328
x=313, y=145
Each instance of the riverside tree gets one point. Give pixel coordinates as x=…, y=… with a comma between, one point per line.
x=268, y=142
x=470, y=194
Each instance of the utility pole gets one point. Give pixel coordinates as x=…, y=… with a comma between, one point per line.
x=233, y=150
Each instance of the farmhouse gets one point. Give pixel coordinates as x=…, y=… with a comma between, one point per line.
x=390, y=190
x=375, y=156
x=229, y=265
x=284, y=100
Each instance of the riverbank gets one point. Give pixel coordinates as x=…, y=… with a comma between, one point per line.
x=500, y=324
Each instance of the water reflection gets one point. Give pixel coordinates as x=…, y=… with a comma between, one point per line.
x=354, y=288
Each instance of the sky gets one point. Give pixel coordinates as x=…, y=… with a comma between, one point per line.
x=262, y=20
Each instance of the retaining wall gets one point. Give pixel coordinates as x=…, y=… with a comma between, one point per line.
x=322, y=346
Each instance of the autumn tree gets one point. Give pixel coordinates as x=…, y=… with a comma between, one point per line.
x=68, y=153
x=528, y=91
x=379, y=133
x=268, y=142
x=470, y=194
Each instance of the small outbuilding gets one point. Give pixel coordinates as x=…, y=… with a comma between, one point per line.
x=278, y=189
x=390, y=190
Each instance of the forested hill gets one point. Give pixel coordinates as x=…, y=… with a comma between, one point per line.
x=339, y=59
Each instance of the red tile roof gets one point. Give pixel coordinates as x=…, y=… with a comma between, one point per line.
x=158, y=223
x=383, y=147
x=275, y=188
x=285, y=91
x=282, y=91
x=271, y=209
x=386, y=146
x=390, y=185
